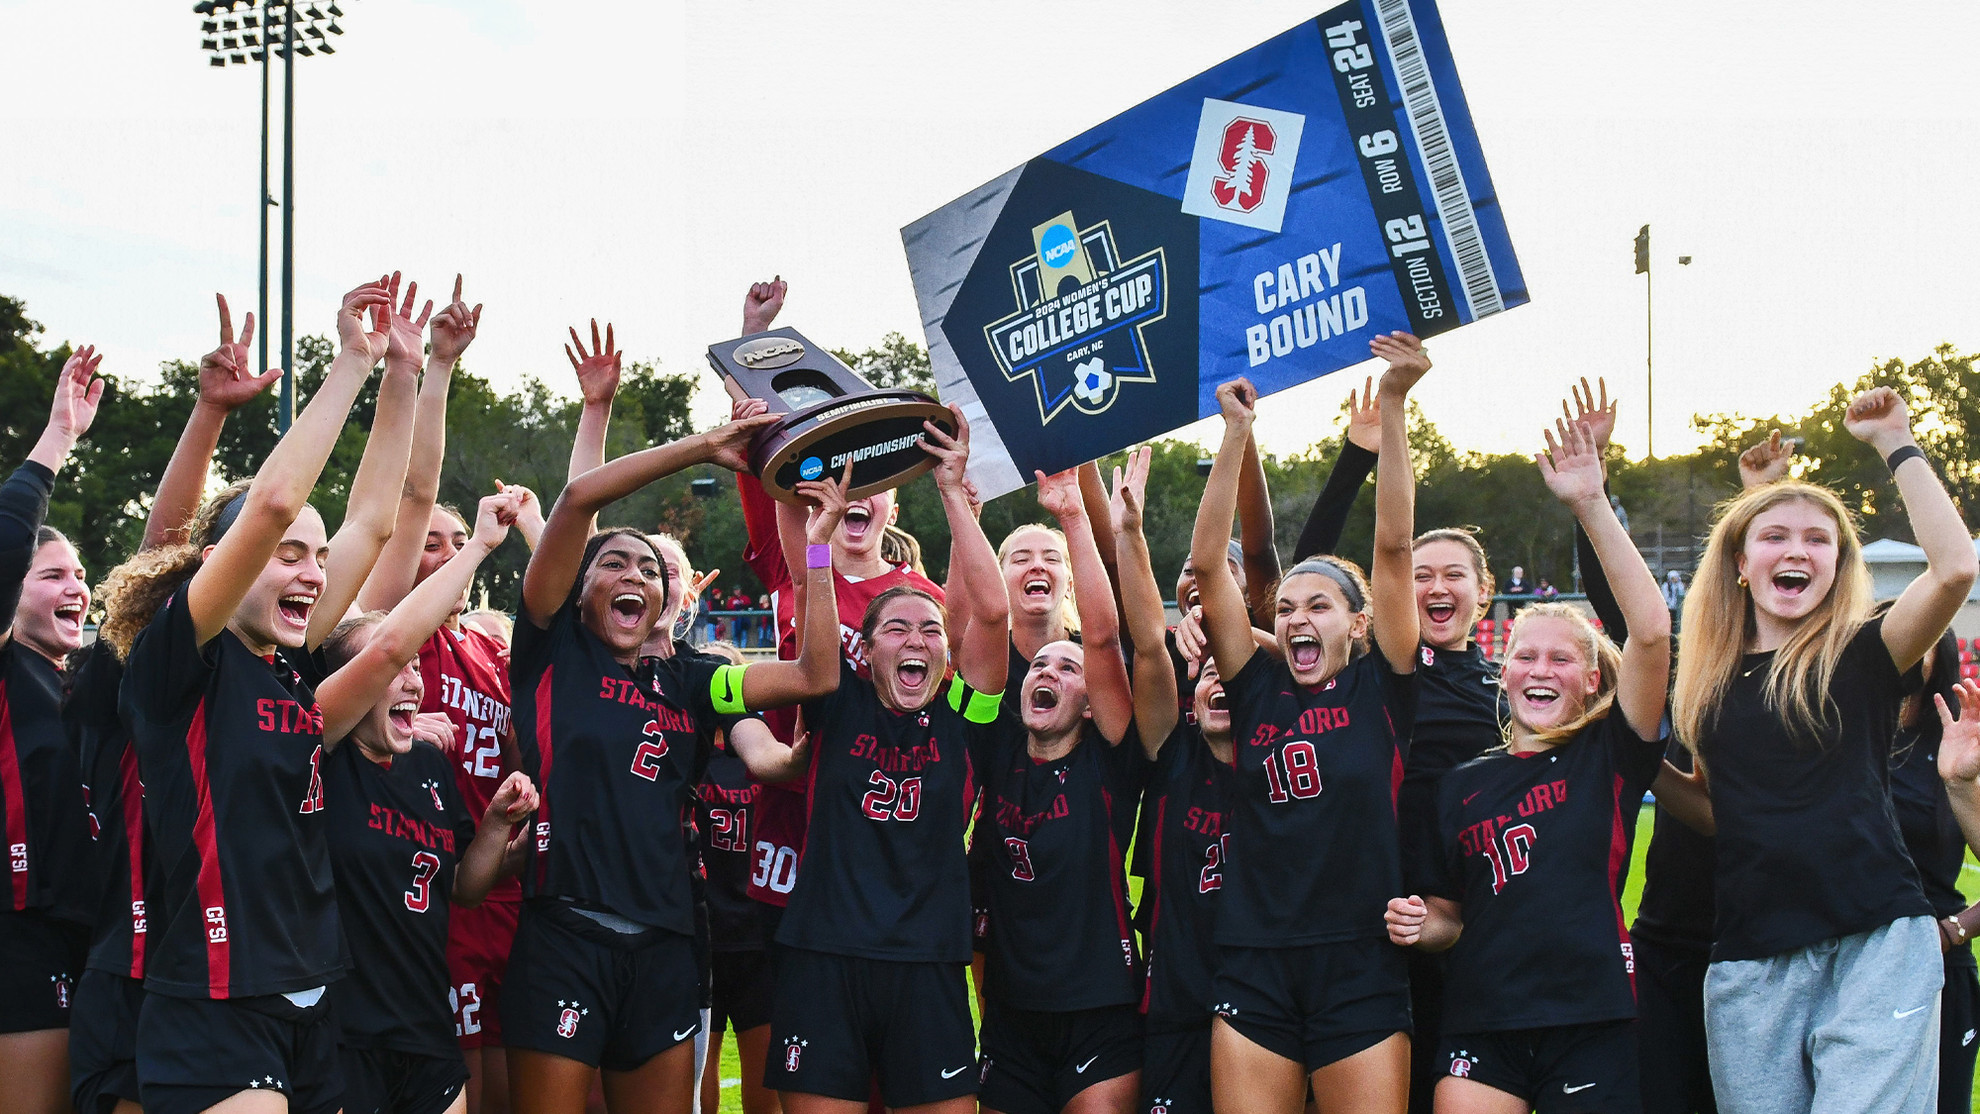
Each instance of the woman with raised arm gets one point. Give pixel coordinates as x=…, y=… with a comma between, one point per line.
x=1534, y=842
x=604, y=974
x=1308, y=985
x=1824, y=986
x=44, y=918
x=406, y=849
x=872, y=949
x=245, y=937
x=103, y=1024
x=1062, y=1024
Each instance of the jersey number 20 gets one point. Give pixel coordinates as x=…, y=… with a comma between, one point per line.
x=890, y=799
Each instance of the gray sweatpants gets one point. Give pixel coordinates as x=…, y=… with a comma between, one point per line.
x=1846, y=1026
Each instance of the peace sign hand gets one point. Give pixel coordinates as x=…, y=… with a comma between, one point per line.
x=224, y=379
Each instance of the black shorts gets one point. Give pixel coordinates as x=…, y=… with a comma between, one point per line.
x=1175, y=1072
x=839, y=1021
x=196, y=1052
x=1567, y=1069
x=1959, y=1033
x=1316, y=1004
x=742, y=985
x=612, y=1000
x=103, y=1041
x=383, y=1081
x=1035, y=1062
x=43, y=958
x=1670, y=1029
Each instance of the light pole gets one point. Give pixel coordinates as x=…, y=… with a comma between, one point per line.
x=1649, y=363
x=231, y=39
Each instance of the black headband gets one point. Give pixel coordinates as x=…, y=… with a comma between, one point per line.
x=1336, y=574
x=229, y=514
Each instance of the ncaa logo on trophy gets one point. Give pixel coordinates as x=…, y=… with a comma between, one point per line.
x=1077, y=333
x=831, y=417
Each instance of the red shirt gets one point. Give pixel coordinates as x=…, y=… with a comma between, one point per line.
x=465, y=678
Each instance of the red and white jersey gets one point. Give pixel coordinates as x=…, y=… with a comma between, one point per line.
x=465, y=678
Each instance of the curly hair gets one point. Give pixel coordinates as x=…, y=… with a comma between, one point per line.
x=136, y=589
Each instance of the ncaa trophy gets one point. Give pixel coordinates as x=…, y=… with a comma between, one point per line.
x=830, y=416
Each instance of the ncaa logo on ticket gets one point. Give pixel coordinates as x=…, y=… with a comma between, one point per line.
x=1242, y=168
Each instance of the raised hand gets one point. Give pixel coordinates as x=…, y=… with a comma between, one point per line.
x=1600, y=418
x=1404, y=918
x=435, y=728
x=1238, y=400
x=1190, y=640
x=1571, y=466
x=374, y=298
x=77, y=394
x=728, y=445
x=1959, y=743
x=1408, y=360
x=224, y=379
x=1767, y=461
x=1878, y=418
x=494, y=516
x=454, y=328
x=404, y=346
x=747, y=408
x=1364, y=430
x=513, y=801
x=951, y=453
x=529, y=509
x=828, y=506
x=1130, y=493
x=1059, y=494
x=702, y=582
x=762, y=304
x=597, y=371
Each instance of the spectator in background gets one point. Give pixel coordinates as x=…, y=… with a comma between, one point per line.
x=1516, y=585
x=1673, y=595
x=763, y=637
x=1546, y=591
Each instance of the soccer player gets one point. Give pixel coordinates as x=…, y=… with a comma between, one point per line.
x=872, y=948
x=44, y=918
x=1308, y=986
x=1062, y=1026
x=603, y=973
x=1527, y=876
x=1825, y=977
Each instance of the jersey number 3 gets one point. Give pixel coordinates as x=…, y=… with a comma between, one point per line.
x=425, y=865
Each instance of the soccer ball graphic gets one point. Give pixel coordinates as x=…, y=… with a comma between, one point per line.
x=1094, y=382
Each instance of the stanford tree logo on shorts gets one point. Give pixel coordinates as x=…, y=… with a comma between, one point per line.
x=793, y=1052
x=567, y=1022
x=1462, y=1062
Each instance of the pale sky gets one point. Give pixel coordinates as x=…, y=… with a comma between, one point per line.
x=643, y=162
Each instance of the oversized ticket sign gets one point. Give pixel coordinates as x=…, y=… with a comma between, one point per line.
x=1265, y=218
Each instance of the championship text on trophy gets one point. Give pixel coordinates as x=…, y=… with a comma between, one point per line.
x=831, y=416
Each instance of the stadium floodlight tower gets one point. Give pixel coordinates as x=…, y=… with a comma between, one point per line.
x=259, y=30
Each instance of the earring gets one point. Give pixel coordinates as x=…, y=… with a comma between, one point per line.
x=1742, y=581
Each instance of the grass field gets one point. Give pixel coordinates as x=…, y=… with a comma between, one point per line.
x=1632, y=894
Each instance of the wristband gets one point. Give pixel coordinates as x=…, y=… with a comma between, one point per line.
x=1899, y=456
x=817, y=556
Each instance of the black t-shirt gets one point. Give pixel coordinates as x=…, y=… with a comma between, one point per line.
x=1536, y=848
x=1457, y=719
x=725, y=805
x=1676, y=908
x=1925, y=818
x=1808, y=839
x=884, y=874
x=615, y=754
x=115, y=796
x=1313, y=854
x=1186, y=801
x=398, y=833
x=230, y=746
x=1061, y=937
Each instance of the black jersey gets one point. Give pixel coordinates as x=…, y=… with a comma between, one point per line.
x=1676, y=909
x=615, y=754
x=1061, y=937
x=725, y=806
x=1313, y=855
x=1536, y=847
x=1186, y=800
x=1807, y=837
x=230, y=746
x=115, y=795
x=41, y=787
x=398, y=831
x=884, y=874
x=1925, y=818
x=1457, y=719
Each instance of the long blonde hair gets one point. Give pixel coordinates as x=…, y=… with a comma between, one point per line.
x=1798, y=678
x=1068, y=605
x=1596, y=649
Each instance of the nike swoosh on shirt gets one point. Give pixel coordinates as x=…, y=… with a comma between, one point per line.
x=951, y=1073
x=1572, y=1090
x=1967, y=1039
x=1081, y=1069
x=1900, y=1015
x=1473, y=797
x=686, y=1033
